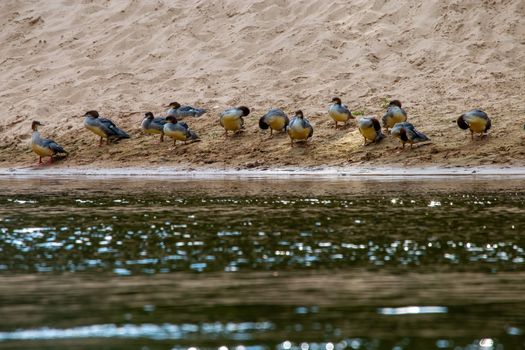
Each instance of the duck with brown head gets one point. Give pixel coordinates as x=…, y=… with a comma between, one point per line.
x=232, y=119
x=339, y=112
x=394, y=114
x=406, y=132
x=299, y=128
x=178, y=131
x=152, y=125
x=44, y=147
x=370, y=128
x=178, y=111
x=476, y=121
x=103, y=127
x=274, y=119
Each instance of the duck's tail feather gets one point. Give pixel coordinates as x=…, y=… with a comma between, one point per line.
x=193, y=135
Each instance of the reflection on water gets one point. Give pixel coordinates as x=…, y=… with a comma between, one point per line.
x=262, y=264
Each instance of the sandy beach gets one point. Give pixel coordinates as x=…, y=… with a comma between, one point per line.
x=124, y=58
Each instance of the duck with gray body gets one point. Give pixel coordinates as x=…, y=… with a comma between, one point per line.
x=394, y=114
x=299, y=128
x=44, y=147
x=370, y=128
x=477, y=121
x=152, y=125
x=103, y=127
x=274, y=119
x=232, y=119
x=339, y=112
x=178, y=111
x=178, y=131
x=406, y=132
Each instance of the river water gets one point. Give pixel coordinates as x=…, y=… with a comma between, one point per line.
x=262, y=264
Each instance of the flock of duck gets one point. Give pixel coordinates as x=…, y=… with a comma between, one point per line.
x=298, y=128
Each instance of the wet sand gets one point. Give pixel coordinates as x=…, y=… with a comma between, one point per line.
x=325, y=173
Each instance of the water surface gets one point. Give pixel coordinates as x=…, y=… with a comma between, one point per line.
x=263, y=264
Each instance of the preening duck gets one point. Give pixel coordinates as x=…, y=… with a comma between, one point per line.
x=103, y=127
x=44, y=147
x=339, y=112
x=406, y=132
x=178, y=131
x=274, y=119
x=476, y=120
x=394, y=114
x=178, y=111
x=370, y=128
x=231, y=119
x=299, y=128
x=152, y=125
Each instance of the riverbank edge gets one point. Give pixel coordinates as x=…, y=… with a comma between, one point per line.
x=278, y=173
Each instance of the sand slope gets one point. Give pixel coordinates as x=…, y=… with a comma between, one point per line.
x=59, y=59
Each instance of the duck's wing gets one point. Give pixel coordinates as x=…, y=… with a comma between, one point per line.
x=52, y=145
x=111, y=129
x=347, y=111
x=232, y=112
x=160, y=120
x=189, y=111
x=415, y=135
x=307, y=125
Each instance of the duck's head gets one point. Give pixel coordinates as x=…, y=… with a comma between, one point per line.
x=171, y=119
x=245, y=110
x=174, y=105
x=395, y=103
x=299, y=114
x=148, y=115
x=92, y=114
x=336, y=100
x=462, y=123
x=35, y=125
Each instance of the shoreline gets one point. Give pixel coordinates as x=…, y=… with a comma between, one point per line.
x=325, y=173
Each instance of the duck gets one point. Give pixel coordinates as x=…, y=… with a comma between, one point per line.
x=406, y=132
x=44, y=147
x=178, y=111
x=274, y=119
x=178, y=131
x=394, y=114
x=231, y=119
x=370, y=128
x=339, y=112
x=476, y=120
x=299, y=128
x=152, y=125
x=103, y=127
